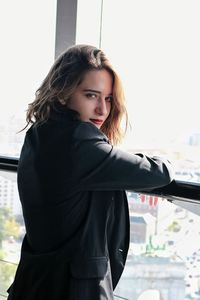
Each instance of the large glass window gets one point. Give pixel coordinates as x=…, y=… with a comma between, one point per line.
x=155, y=47
x=164, y=253
x=27, y=30
x=12, y=230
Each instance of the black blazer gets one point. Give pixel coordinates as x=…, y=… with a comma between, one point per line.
x=72, y=184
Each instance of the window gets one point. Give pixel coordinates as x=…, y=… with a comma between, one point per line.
x=27, y=32
x=12, y=231
x=155, y=48
x=158, y=58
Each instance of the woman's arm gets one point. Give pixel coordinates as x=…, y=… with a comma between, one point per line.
x=100, y=166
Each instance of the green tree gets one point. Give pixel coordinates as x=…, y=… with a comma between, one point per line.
x=11, y=228
x=174, y=226
x=3, y=215
x=7, y=273
x=8, y=225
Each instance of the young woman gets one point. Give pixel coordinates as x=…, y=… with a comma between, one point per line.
x=72, y=182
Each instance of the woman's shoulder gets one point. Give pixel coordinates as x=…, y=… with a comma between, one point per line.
x=88, y=131
x=74, y=132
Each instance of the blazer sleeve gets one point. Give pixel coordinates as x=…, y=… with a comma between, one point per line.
x=98, y=165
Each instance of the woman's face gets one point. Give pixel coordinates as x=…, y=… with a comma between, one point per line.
x=93, y=97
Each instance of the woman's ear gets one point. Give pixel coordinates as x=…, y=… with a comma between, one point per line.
x=62, y=101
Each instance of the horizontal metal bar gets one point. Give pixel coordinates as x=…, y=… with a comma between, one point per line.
x=8, y=163
x=181, y=190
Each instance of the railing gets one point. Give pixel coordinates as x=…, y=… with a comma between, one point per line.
x=176, y=190
x=8, y=164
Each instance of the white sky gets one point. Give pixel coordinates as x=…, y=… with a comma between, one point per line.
x=27, y=30
x=154, y=45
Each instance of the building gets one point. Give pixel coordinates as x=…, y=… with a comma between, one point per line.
x=9, y=193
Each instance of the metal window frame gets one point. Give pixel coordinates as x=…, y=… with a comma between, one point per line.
x=66, y=19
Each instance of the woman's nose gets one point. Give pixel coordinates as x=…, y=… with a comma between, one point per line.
x=101, y=107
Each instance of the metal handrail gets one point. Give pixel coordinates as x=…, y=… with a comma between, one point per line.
x=8, y=163
x=181, y=190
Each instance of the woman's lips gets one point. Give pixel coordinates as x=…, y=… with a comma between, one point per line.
x=97, y=121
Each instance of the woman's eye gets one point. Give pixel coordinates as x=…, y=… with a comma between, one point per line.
x=90, y=95
x=109, y=99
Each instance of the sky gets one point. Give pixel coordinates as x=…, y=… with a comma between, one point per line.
x=159, y=62
x=154, y=46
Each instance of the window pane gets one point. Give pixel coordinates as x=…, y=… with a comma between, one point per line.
x=155, y=46
x=164, y=254
x=12, y=229
x=27, y=30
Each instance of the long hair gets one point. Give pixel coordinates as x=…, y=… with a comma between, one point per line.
x=64, y=77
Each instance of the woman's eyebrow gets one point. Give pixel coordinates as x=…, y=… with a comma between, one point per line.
x=95, y=91
x=91, y=90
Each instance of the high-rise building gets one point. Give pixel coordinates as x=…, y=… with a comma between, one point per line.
x=9, y=194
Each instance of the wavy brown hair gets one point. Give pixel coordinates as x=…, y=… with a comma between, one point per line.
x=62, y=80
